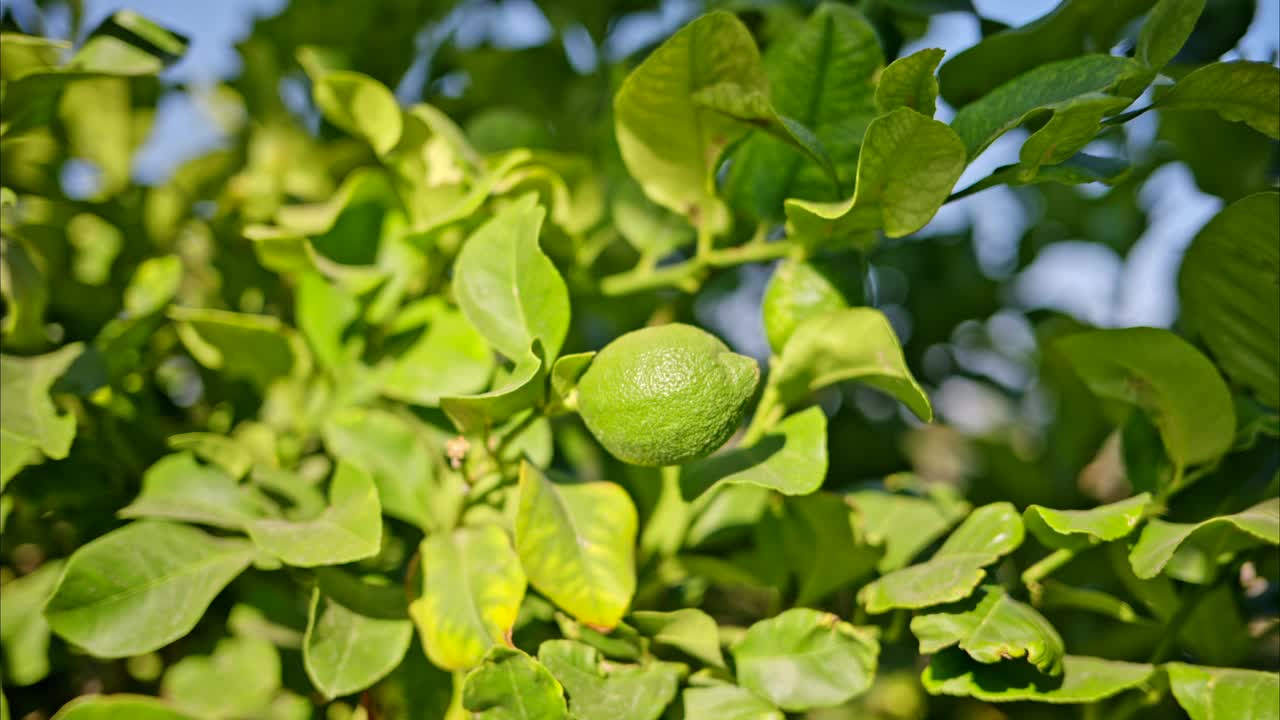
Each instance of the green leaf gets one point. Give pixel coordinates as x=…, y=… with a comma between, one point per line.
x=509, y=290
x=1225, y=290
x=525, y=389
x=820, y=77
x=566, y=372
x=24, y=632
x=994, y=629
x=576, y=543
x=1078, y=169
x=1073, y=27
x=257, y=348
x=345, y=651
x=118, y=707
x=1075, y=123
x=753, y=108
x=360, y=105
x=393, y=453
x=822, y=351
x=907, y=167
x=510, y=685
x=349, y=529
x=1076, y=529
x=1203, y=546
x=153, y=285
x=822, y=546
x=450, y=358
x=225, y=452
x=1247, y=92
x=1210, y=692
x=28, y=418
x=955, y=571
x=177, y=487
x=670, y=144
x=909, y=82
x=1083, y=679
x=727, y=702
x=25, y=54
x=1164, y=376
x=688, y=629
x=1166, y=30
x=599, y=689
x=128, y=44
x=472, y=586
x=806, y=659
x=1045, y=88
x=238, y=679
x=791, y=458
x=26, y=294
x=651, y=229
x=141, y=587
x=323, y=312
x=902, y=524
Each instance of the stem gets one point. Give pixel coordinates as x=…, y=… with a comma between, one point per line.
x=1051, y=562
x=896, y=626
x=706, y=241
x=684, y=276
x=751, y=252
x=1174, y=628
x=768, y=413
x=513, y=433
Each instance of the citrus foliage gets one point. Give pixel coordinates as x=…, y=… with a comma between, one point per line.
x=362, y=417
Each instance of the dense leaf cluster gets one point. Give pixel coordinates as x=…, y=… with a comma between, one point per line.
x=298, y=427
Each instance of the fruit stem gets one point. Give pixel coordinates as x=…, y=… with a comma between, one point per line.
x=768, y=413
x=1051, y=562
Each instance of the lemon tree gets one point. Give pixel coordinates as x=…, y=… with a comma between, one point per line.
x=569, y=360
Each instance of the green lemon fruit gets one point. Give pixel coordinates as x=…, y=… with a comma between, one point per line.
x=666, y=395
x=800, y=289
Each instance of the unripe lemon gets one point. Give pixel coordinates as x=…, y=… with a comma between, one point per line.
x=799, y=290
x=666, y=395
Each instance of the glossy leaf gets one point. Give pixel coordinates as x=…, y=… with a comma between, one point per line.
x=509, y=290
x=1225, y=292
x=236, y=680
x=1044, y=88
x=394, y=455
x=1077, y=529
x=670, y=144
x=345, y=651
x=24, y=632
x=472, y=586
x=907, y=166
x=1070, y=29
x=608, y=690
x=524, y=389
x=909, y=82
x=179, y=488
x=823, y=547
x=1078, y=169
x=820, y=77
x=994, y=629
x=1083, y=679
x=576, y=543
x=349, y=529
x=1164, y=376
x=728, y=702
x=687, y=629
x=822, y=351
x=1210, y=692
x=1205, y=544
x=1075, y=123
x=1166, y=30
x=955, y=571
x=566, y=372
x=806, y=659
x=1240, y=91
x=450, y=358
x=141, y=587
x=510, y=685
x=902, y=524
x=791, y=458
x=29, y=418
